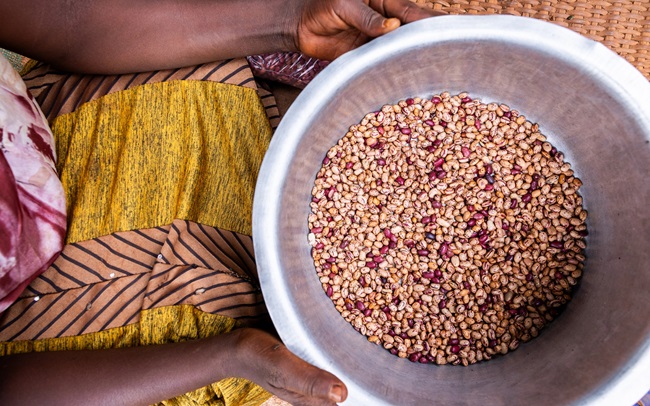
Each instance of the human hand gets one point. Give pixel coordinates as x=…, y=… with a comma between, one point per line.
x=267, y=362
x=329, y=28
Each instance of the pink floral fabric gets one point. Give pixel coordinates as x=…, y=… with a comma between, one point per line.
x=32, y=202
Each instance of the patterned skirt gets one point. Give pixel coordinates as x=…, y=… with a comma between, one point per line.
x=159, y=172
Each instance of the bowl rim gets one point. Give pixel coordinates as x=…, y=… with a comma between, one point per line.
x=628, y=384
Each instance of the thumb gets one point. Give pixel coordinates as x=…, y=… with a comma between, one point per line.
x=319, y=384
x=365, y=19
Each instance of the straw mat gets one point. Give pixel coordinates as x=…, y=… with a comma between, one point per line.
x=623, y=25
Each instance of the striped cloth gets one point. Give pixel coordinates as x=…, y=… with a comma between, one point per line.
x=60, y=93
x=106, y=282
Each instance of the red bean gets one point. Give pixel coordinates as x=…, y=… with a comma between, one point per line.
x=330, y=291
x=399, y=180
x=438, y=162
x=430, y=123
x=383, y=250
x=405, y=130
x=526, y=198
x=423, y=253
x=466, y=152
x=436, y=99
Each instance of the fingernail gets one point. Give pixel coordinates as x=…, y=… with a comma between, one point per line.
x=391, y=23
x=336, y=393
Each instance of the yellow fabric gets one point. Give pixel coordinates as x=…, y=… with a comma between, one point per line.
x=159, y=326
x=155, y=140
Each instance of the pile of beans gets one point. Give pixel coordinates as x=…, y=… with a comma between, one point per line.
x=290, y=68
x=447, y=230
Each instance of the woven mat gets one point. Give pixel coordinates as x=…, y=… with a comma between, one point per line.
x=622, y=25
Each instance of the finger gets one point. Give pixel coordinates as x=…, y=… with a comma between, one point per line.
x=305, y=380
x=404, y=10
x=365, y=19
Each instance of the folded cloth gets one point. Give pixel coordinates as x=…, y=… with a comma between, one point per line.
x=32, y=202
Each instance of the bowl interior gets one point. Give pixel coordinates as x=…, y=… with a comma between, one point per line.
x=590, y=103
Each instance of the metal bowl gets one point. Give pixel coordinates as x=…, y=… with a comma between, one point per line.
x=590, y=103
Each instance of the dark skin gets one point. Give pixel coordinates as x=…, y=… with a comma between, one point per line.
x=122, y=36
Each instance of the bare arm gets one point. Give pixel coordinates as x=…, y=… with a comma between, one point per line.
x=99, y=36
x=119, y=36
x=146, y=375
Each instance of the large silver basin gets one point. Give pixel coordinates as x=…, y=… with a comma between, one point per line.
x=591, y=103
